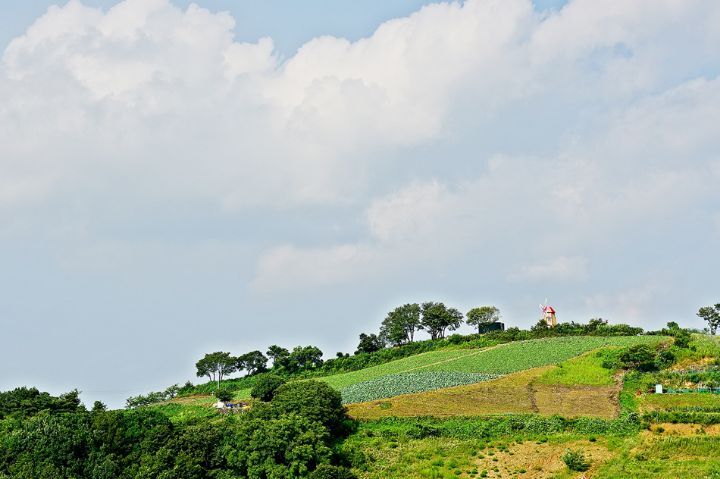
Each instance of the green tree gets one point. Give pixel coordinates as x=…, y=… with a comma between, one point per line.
x=289, y=446
x=369, y=343
x=314, y=400
x=711, y=314
x=303, y=358
x=216, y=366
x=401, y=323
x=253, y=362
x=437, y=319
x=279, y=356
x=482, y=315
x=224, y=395
x=265, y=387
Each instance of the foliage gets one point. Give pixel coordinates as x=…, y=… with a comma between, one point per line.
x=253, y=362
x=314, y=400
x=437, y=318
x=369, y=343
x=401, y=323
x=575, y=460
x=153, y=397
x=640, y=357
x=25, y=402
x=266, y=386
x=283, y=447
x=328, y=471
x=224, y=395
x=482, y=315
x=711, y=314
x=406, y=383
x=216, y=365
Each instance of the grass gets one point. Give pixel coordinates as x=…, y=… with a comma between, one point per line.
x=584, y=370
x=689, y=401
x=388, y=449
x=501, y=359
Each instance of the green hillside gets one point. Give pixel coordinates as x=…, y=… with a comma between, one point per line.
x=497, y=360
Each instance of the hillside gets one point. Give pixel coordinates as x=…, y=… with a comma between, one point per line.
x=544, y=408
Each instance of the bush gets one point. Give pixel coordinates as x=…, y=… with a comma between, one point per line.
x=314, y=400
x=224, y=395
x=575, y=460
x=266, y=386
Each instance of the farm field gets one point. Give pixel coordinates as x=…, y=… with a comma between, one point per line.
x=518, y=393
x=407, y=383
x=689, y=401
x=498, y=360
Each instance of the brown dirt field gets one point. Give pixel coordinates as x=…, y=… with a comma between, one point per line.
x=542, y=461
x=516, y=393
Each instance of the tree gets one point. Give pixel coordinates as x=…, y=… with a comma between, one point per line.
x=288, y=446
x=279, y=356
x=253, y=362
x=314, y=400
x=304, y=358
x=369, y=343
x=437, y=318
x=711, y=314
x=224, y=395
x=482, y=315
x=216, y=366
x=265, y=387
x=401, y=323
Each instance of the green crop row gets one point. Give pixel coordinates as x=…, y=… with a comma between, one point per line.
x=407, y=383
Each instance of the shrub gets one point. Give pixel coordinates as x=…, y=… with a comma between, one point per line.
x=314, y=400
x=223, y=395
x=575, y=460
x=266, y=386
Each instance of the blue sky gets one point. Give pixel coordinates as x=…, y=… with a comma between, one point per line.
x=177, y=180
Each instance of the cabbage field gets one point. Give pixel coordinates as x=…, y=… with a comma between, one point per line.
x=406, y=383
x=497, y=360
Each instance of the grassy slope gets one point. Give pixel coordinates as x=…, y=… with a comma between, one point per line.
x=502, y=359
x=678, y=452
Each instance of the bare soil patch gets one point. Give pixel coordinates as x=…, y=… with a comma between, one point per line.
x=541, y=461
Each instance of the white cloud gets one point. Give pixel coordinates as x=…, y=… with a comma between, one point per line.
x=549, y=135
x=147, y=89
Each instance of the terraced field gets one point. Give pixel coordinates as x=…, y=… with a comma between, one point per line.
x=497, y=360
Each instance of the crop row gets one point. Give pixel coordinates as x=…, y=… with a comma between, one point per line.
x=407, y=383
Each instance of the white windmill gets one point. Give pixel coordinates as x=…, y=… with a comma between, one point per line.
x=548, y=314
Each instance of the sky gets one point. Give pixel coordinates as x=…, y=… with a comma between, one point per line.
x=182, y=178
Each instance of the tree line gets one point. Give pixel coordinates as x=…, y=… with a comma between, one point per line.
x=398, y=328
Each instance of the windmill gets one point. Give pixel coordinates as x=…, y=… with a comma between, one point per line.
x=548, y=314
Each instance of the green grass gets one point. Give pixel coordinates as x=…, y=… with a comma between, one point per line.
x=502, y=359
x=583, y=370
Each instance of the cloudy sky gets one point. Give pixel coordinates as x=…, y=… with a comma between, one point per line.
x=179, y=178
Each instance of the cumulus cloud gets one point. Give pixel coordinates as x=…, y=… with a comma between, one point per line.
x=480, y=129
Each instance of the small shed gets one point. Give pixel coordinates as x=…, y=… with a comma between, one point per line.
x=489, y=327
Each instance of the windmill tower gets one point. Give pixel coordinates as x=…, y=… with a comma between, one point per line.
x=548, y=314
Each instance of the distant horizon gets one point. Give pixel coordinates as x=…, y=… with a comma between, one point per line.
x=180, y=177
